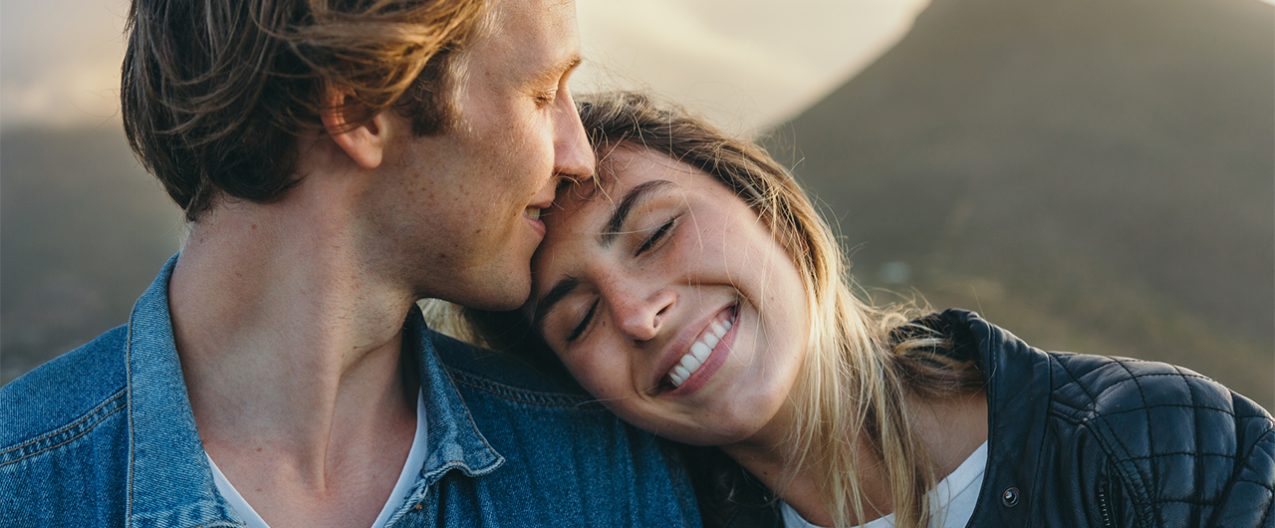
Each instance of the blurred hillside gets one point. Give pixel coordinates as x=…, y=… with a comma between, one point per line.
x=83, y=230
x=1095, y=176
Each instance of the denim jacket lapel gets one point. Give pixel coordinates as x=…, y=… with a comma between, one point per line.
x=169, y=480
x=455, y=443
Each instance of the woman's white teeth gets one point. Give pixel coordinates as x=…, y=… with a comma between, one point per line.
x=690, y=363
x=681, y=372
x=533, y=213
x=699, y=352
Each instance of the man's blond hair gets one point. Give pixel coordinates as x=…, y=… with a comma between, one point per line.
x=214, y=93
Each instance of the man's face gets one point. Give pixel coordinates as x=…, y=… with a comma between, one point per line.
x=459, y=212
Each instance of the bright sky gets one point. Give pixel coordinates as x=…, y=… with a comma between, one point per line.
x=743, y=63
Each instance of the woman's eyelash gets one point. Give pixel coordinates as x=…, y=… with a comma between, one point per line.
x=584, y=322
x=656, y=236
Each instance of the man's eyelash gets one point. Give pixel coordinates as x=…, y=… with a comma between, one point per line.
x=545, y=98
x=655, y=237
x=584, y=323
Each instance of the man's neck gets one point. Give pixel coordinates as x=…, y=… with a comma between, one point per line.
x=292, y=354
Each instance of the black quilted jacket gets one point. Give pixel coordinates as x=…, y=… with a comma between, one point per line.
x=1077, y=440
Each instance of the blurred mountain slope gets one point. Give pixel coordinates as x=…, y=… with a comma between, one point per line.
x=83, y=230
x=1094, y=175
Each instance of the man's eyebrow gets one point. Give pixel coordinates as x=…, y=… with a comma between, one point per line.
x=556, y=293
x=570, y=64
x=621, y=213
x=559, y=70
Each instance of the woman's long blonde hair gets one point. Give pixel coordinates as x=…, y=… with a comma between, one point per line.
x=853, y=383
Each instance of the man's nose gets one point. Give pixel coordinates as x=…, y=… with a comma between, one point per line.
x=573, y=157
x=642, y=316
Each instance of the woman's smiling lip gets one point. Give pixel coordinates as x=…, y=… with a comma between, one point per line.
x=682, y=345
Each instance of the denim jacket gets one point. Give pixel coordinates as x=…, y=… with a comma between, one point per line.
x=104, y=436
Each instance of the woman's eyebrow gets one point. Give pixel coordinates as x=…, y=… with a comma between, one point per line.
x=559, y=290
x=626, y=205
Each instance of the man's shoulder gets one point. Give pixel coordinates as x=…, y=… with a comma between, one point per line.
x=561, y=449
x=505, y=376
x=71, y=392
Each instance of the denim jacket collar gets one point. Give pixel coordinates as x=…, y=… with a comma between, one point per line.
x=454, y=439
x=169, y=480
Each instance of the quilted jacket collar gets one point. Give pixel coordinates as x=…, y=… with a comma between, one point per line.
x=1017, y=411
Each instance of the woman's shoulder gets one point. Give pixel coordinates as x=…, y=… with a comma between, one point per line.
x=1179, y=441
x=1094, y=385
x=1113, y=385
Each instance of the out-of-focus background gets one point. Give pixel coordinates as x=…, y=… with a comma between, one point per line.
x=1094, y=175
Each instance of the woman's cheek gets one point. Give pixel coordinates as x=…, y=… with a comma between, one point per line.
x=596, y=376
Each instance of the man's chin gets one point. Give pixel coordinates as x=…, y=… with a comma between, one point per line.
x=500, y=296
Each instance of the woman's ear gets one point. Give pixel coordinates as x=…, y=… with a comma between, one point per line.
x=361, y=137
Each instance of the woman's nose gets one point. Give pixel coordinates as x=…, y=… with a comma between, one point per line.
x=641, y=316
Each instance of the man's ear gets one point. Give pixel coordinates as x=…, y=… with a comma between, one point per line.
x=361, y=137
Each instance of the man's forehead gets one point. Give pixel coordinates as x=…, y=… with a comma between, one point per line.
x=518, y=23
x=522, y=39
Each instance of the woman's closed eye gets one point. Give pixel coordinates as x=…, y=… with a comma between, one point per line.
x=584, y=322
x=659, y=234
x=652, y=241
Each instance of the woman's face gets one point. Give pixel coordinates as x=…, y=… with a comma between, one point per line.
x=670, y=301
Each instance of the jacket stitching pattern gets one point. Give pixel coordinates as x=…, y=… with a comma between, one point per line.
x=1270, y=501
x=1197, y=467
x=1126, y=470
x=515, y=394
x=1155, y=473
x=67, y=433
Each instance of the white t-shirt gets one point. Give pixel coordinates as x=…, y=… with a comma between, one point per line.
x=952, y=500
x=406, y=479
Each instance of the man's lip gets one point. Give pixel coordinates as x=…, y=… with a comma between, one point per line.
x=682, y=344
x=536, y=224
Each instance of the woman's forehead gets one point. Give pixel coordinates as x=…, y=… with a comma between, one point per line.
x=623, y=168
x=629, y=162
